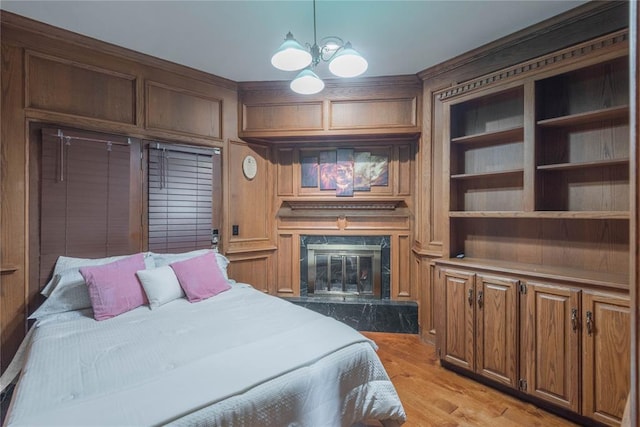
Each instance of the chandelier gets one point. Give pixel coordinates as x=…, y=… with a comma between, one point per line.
x=344, y=61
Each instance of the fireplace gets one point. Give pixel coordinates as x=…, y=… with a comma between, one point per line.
x=348, y=267
x=344, y=270
x=349, y=278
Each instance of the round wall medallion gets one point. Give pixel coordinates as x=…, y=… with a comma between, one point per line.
x=250, y=167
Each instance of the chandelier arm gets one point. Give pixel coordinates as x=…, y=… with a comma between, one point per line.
x=327, y=54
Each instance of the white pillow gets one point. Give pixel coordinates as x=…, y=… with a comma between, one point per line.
x=70, y=293
x=65, y=264
x=161, y=285
x=166, y=259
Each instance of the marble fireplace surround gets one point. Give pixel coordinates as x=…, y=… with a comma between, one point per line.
x=364, y=314
x=358, y=221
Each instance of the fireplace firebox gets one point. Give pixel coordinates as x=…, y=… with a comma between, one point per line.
x=344, y=270
x=348, y=277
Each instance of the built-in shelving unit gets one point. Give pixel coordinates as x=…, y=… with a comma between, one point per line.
x=618, y=112
x=491, y=137
x=493, y=174
x=582, y=139
x=487, y=146
x=539, y=174
x=622, y=215
x=533, y=286
x=584, y=165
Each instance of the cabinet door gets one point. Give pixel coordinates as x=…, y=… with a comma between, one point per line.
x=497, y=328
x=605, y=357
x=551, y=344
x=458, y=346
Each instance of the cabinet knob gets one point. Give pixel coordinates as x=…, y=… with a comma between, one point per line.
x=574, y=319
x=480, y=299
x=470, y=297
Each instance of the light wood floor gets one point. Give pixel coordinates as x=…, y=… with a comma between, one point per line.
x=434, y=396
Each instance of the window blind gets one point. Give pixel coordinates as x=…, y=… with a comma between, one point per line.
x=180, y=192
x=85, y=197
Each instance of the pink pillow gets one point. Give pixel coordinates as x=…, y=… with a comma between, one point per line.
x=200, y=277
x=114, y=288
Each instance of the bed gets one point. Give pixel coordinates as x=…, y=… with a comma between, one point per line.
x=239, y=358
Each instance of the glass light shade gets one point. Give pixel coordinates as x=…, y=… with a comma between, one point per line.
x=348, y=63
x=307, y=83
x=291, y=56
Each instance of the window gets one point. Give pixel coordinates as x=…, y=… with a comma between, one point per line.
x=89, y=201
x=88, y=190
x=184, y=197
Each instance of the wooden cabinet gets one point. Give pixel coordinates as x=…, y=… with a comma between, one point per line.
x=551, y=339
x=497, y=328
x=563, y=344
x=606, y=355
x=458, y=346
x=566, y=327
x=481, y=324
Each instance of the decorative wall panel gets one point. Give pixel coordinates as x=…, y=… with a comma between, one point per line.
x=294, y=116
x=59, y=85
x=183, y=112
x=373, y=113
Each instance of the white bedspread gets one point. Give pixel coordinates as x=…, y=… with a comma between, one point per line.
x=240, y=358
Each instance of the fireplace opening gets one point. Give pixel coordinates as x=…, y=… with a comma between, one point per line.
x=345, y=267
x=344, y=270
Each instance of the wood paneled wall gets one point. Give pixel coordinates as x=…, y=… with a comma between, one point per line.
x=13, y=219
x=250, y=206
x=378, y=107
x=60, y=78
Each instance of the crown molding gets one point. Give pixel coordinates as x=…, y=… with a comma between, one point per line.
x=601, y=13
x=619, y=38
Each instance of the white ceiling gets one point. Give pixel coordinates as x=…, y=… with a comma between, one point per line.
x=235, y=39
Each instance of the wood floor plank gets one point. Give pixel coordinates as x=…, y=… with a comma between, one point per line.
x=434, y=396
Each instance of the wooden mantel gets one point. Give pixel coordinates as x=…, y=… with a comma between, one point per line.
x=296, y=207
x=348, y=214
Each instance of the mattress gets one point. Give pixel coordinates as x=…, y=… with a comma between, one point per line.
x=240, y=358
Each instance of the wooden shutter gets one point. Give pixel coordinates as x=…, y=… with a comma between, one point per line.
x=88, y=206
x=183, y=182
